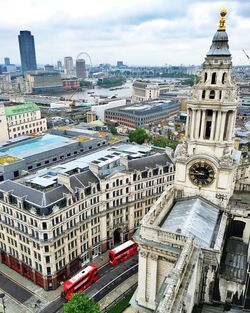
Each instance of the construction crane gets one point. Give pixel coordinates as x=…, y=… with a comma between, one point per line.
x=246, y=54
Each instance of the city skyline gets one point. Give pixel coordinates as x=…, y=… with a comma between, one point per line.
x=142, y=32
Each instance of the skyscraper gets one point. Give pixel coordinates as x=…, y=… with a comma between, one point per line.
x=6, y=61
x=27, y=51
x=81, y=68
x=68, y=66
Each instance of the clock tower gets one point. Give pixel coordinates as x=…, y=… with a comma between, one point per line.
x=205, y=163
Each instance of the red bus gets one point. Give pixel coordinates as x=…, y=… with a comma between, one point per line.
x=80, y=281
x=122, y=252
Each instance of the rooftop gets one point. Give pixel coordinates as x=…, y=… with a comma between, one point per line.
x=193, y=217
x=19, y=108
x=146, y=108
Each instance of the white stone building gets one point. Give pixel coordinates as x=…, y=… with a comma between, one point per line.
x=52, y=224
x=193, y=243
x=21, y=119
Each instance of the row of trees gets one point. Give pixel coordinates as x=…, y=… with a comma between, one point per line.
x=139, y=135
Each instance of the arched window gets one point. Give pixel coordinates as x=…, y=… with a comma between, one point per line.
x=203, y=94
x=213, y=81
x=205, y=77
x=212, y=94
x=224, y=78
x=220, y=94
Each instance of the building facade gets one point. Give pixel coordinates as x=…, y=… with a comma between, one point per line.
x=71, y=84
x=47, y=233
x=23, y=119
x=43, y=82
x=145, y=90
x=27, y=51
x=81, y=69
x=194, y=242
x=139, y=115
x=68, y=66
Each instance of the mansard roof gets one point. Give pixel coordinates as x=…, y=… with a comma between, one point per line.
x=33, y=196
x=149, y=162
x=83, y=180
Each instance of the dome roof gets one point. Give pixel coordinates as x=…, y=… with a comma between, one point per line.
x=219, y=45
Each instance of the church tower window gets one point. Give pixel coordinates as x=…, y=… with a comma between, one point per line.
x=212, y=94
x=224, y=78
x=205, y=77
x=213, y=81
x=203, y=94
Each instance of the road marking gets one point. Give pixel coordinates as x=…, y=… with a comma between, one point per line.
x=112, y=281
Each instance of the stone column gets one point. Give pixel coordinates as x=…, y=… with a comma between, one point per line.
x=142, y=274
x=222, y=126
x=153, y=283
x=213, y=126
x=187, y=123
x=203, y=124
x=192, y=124
x=231, y=128
x=198, y=120
x=218, y=125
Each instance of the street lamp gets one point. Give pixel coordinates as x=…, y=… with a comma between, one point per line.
x=2, y=295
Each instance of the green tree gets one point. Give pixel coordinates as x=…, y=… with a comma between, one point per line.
x=79, y=303
x=160, y=141
x=139, y=135
x=113, y=130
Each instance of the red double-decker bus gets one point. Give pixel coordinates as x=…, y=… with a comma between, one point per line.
x=122, y=252
x=80, y=281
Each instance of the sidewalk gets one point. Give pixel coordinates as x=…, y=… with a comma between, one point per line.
x=41, y=296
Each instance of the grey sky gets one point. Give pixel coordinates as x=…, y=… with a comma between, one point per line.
x=139, y=32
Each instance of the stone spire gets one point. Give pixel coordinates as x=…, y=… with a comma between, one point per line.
x=220, y=41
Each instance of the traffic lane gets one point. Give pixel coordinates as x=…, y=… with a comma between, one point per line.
x=111, y=275
x=14, y=290
x=54, y=306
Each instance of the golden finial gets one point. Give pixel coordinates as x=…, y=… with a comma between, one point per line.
x=222, y=24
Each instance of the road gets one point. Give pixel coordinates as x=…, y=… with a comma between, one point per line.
x=110, y=278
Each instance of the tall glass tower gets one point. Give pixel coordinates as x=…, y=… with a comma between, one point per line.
x=27, y=51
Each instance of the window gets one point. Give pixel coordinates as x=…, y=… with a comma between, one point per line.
x=224, y=78
x=212, y=94
x=205, y=77
x=44, y=225
x=213, y=80
x=203, y=94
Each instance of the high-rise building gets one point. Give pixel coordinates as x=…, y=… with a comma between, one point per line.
x=59, y=65
x=27, y=51
x=6, y=61
x=81, y=68
x=68, y=66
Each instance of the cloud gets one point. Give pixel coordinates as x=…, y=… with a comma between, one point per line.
x=149, y=32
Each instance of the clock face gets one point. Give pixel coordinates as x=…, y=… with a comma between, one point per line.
x=201, y=173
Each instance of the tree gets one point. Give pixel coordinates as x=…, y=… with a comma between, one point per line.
x=139, y=135
x=163, y=142
x=113, y=130
x=79, y=303
x=159, y=141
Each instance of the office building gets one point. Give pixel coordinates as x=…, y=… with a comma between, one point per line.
x=51, y=224
x=21, y=119
x=68, y=66
x=71, y=84
x=27, y=51
x=139, y=115
x=49, y=68
x=194, y=242
x=6, y=61
x=81, y=69
x=145, y=90
x=42, y=82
